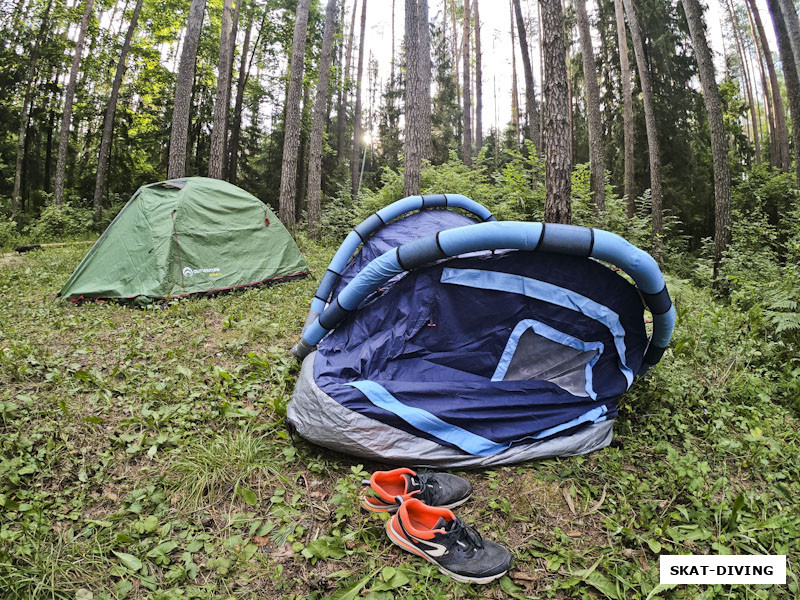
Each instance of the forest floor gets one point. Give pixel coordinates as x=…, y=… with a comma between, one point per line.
x=144, y=456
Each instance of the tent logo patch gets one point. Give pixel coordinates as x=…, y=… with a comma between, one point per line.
x=189, y=271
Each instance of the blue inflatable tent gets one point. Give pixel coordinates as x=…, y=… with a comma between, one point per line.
x=468, y=342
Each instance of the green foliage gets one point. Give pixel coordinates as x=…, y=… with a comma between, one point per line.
x=59, y=223
x=8, y=233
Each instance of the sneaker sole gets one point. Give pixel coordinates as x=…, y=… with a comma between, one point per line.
x=397, y=540
x=393, y=509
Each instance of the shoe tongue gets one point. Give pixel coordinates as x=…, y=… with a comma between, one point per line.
x=412, y=483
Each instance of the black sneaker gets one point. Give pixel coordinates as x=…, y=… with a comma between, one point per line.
x=439, y=537
x=434, y=489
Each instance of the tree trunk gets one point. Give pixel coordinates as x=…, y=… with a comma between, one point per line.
x=467, y=91
x=530, y=88
x=425, y=78
x=219, y=131
x=412, y=147
x=652, y=130
x=558, y=182
x=183, y=91
x=342, y=113
x=764, y=89
x=244, y=73
x=719, y=142
x=66, y=119
x=291, y=128
x=514, y=90
x=318, y=121
x=456, y=55
x=355, y=163
x=627, y=102
x=793, y=28
x=24, y=117
x=789, y=76
x=746, y=76
x=108, y=122
x=782, y=160
x=478, y=82
x=592, y=96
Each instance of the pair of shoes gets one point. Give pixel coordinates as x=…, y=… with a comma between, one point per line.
x=423, y=524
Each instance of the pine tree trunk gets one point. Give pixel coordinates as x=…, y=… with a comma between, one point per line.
x=527, y=69
x=790, y=77
x=456, y=55
x=746, y=77
x=652, y=130
x=592, y=96
x=719, y=142
x=355, y=163
x=183, y=91
x=558, y=182
x=793, y=28
x=767, y=101
x=291, y=128
x=219, y=131
x=346, y=79
x=66, y=119
x=467, y=91
x=478, y=81
x=782, y=158
x=412, y=147
x=627, y=102
x=425, y=78
x=24, y=117
x=318, y=121
x=514, y=89
x=244, y=73
x=108, y=122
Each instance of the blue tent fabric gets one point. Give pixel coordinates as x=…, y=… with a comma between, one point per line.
x=431, y=346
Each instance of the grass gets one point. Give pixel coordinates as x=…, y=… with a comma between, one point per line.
x=144, y=456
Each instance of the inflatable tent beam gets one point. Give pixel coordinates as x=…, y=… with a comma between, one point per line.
x=564, y=239
x=373, y=223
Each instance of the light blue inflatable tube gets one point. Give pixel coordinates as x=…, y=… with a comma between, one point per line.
x=564, y=239
x=372, y=224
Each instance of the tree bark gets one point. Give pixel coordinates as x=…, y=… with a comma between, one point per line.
x=318, y=121
x=219, y=131
x=627, y=103
x=355, y=163
x=514, y=90
x=342, y=113
x=183, y=91
x=793, y=29
x=652, y=130
x=244, y=73
x=530, y=88
x=478, y=81
x=24, y=117
x=746, y=76
x=467, y=91
x=558, y=182
x=108, y=122
x=597, y=167
x=291, y=128
x=719, y=142
x=66, y=119
x=789, y=75
x=425, y=77
x=412, y=146
x=782, y=159
x=764, y=88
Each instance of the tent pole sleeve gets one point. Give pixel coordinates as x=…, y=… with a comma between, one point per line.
x=564, y=239
x=376, y=221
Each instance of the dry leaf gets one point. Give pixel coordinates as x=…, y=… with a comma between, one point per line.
x=283, y=552
x=520, y=576
x=568, y=499
x=574, y=533
x=260, y=541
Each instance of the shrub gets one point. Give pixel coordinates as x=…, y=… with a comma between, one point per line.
x=8, y=233
x=59, y=223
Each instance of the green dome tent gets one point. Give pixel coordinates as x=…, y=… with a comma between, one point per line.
x=186, y=236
